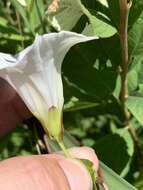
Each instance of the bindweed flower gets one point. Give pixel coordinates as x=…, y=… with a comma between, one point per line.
x=35, y=73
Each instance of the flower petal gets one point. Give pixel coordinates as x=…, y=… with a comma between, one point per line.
x=6, y=60
x=36, y=72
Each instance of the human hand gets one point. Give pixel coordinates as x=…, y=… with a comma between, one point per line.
x=12, y=108
x=48, y=172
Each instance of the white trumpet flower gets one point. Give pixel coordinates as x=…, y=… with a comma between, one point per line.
x=35, y=73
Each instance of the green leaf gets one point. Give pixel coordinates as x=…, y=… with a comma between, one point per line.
x=135, y=38
x=22, y=11
x=70, y=13
x=32, y=14
x=89, y=166
x=104, y=2
x=74, y=105
x=135, y=105
x=132, y=80
x=95, y=67
x=114, y=11
x=36, y=15
x=135, y=12
x=135, y=83
x=101, y=27
x=123, y=149
x=17, y=142
x=113, y=180
x=67, y=15
x=10, y=33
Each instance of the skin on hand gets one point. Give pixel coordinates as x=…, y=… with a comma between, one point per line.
x=12, y=108
x=47, y=172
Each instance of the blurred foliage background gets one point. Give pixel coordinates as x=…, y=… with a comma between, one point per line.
x=92, y=111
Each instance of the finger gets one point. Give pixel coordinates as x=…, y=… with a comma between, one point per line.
x=44, y=172
x=11, y=114
x=7, y=93
x=32, y=172
x=8, y=118
x=12, y=108
x=76, y=173
x=85, y=153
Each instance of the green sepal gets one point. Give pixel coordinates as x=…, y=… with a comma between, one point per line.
x=89, y=166
x=53, y=124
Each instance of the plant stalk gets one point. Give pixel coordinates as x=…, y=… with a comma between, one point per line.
x=123, y=32
x=63, y=148
x=125, y=6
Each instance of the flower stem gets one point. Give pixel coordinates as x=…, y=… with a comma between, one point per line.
x=63, y=148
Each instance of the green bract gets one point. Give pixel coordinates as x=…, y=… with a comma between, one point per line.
x=89, y=166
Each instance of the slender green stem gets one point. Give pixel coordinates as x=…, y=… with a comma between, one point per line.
x=64, y=149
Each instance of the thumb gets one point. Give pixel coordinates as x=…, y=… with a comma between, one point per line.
x=77, y=175
x=47, y=172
